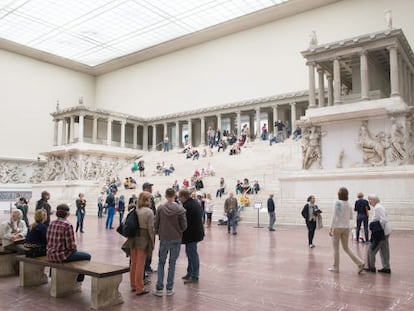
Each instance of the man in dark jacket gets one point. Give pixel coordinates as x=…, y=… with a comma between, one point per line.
x=192, y=235
x=43, y=204
x=271, y=212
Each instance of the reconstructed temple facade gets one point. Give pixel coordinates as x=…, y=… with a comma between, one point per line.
x=362, y=136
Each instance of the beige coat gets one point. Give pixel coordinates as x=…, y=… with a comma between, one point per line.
x=145, y=240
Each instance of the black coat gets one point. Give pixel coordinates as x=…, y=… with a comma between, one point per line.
x=195, y=229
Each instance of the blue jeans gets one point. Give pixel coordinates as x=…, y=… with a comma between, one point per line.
x=79, y=220
x=110, y=217
x=193, y=268
x=231, y=222
x=172, y=247
x=78, y=256
x=100, y=209
x=362, y=219
x=272, y=219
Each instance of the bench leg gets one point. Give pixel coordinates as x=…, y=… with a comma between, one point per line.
x=63, y=282
x=104, y=291
x=31, y=275
x=7, y=262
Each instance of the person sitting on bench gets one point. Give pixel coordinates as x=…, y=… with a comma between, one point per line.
x=61, y=246
x=15, y=231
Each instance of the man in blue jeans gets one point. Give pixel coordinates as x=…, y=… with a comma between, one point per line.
x=61, y=246
x=192, y=235
x=170, y=223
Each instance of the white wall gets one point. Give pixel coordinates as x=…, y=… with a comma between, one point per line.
x=258, y=62
x=254, y=63
x=29, y=90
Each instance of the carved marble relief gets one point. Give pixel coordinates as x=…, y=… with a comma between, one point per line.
x=398, y=142
x=311, y=147
x=373, y=148
x=62, y=168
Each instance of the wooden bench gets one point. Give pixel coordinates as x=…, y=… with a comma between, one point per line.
x=7, y=262
x=105, y=278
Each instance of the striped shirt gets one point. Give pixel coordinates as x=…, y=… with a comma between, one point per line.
x=60, y=240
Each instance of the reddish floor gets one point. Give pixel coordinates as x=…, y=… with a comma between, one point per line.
x=255, y=270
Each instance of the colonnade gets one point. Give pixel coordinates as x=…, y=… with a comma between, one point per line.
x=83, y=125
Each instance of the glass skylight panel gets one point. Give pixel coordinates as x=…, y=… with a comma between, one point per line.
x=65, y=45
x=112, y=28
x=20, y=29
x=97, y=56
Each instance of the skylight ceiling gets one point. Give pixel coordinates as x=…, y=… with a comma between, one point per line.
x=93, y=32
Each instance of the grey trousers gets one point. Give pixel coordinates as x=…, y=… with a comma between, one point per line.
x=384, y=248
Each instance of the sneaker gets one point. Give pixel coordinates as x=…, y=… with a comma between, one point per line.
x=170, y=292
x=333, y=270
x=234, y=233
x=373, y=270
x=311, y=246
x=190, y=281
x=385, y=270
x=186, y=277
x=157, y=292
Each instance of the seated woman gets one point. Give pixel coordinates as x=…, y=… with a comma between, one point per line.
x=61, y=246
x=15, y=232
x=35, y=245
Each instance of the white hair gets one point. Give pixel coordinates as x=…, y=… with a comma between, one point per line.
x=15, y=210
x=374, y=197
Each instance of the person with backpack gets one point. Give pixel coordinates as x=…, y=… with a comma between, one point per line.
x=170, y=223
x=141, y=244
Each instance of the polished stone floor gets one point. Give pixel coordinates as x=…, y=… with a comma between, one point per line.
x=254, y=270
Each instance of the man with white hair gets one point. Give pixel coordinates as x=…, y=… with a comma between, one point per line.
x=382, y=245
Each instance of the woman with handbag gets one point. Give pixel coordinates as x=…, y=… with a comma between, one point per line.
x=142, y=244
x=36, y=242
x=310, y=212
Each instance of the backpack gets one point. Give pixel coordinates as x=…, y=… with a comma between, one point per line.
x=130, y=227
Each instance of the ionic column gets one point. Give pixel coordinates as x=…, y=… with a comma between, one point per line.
x=154, y=137
x=135, y=136
x=330, y=89
x=64, y=136
x=109, y=132
x=81, y=127
x=95, y=130
x=177, y=135
x=123, y=123
x=219, y=121
x=292, y=117
x=395, y=87
x=312, y=102
x=337, y=82
x=203, y=131
x=238, y=123
x=190, y=130
x=72, y=129
x=321, y=88
x=145, y=138
x=258, y=123
x=364, y=76
x=56, y=133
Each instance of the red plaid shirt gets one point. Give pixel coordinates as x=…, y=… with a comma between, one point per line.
x=60, y=240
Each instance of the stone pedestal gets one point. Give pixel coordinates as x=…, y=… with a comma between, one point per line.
x=7, y=262
x=104, y=291
x=31, y=275
x=63, y=283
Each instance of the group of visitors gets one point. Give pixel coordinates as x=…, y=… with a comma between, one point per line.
x=54, y=239
x=339, y=229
